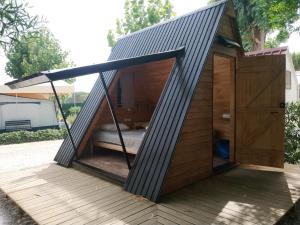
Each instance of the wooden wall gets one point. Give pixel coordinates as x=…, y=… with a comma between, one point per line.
x=148, y=80
x=226, y=28
x=192, y=159
x=145, y=86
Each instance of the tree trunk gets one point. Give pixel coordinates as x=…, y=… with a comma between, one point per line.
x=258, y=38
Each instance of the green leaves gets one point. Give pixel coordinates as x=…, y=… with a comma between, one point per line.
x=292, y=133
x=138, y=15
x=282, y=36
x=16, y=137
x=296, y=60
x=15, y=21
x=73, y=112
x=35, y=52
x=111, y=38
x=259, y=18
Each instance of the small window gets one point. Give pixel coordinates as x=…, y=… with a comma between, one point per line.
x=125, y=91
x=119, y=94
x=288, y=80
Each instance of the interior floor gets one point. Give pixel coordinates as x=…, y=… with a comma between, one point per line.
x=109, y=161
x=218, y=161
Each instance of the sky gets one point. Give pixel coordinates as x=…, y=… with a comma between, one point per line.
x=81, y=28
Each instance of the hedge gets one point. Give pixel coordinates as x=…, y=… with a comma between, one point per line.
x=292, y=133
x=66, y=107
x=16, y=137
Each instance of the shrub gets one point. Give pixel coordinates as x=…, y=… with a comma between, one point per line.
x=292, y=133
x=71, y=118
x=16, y=137
x=73, y=112
x=67, y=107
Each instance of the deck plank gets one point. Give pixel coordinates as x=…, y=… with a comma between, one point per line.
x=216, y=205
x=51, y=194
x=138, y=218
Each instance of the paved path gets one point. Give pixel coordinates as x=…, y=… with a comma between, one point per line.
x=19, y=156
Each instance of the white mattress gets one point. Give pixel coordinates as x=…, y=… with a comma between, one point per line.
x=132, y=138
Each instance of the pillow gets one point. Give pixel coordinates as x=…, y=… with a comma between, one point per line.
x=112, y=127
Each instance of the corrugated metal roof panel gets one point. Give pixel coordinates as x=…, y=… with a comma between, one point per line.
x=195, y=31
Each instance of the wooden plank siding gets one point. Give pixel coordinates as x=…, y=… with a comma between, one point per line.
x=142, y=92
x=259, y=114
x=193, y=155
x=192, y=159
x=226, y=28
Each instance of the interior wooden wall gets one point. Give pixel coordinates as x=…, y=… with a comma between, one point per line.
x=192, y=159
x=149, y=80
x=222, y=96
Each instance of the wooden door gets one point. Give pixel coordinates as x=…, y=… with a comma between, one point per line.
x=260, y=94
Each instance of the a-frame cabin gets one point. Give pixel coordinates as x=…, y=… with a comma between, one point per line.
x=181, y=117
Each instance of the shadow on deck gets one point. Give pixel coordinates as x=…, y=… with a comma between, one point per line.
x=52, y=194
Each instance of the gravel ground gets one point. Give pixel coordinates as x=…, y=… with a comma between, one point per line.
x=11, y=214
x=16, y=157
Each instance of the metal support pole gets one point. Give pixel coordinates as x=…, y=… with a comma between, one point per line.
x=114, y=116
x=64, y=118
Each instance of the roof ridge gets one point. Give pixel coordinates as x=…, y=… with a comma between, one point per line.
x=211, y=5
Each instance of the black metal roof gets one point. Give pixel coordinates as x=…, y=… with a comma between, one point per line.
x=195, y=31
x=47, y=76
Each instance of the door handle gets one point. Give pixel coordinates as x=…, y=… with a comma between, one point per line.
x=273, y=112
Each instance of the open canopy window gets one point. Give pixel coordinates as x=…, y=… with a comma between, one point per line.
x=48, y=76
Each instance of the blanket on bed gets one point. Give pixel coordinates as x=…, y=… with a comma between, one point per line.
x=132, y=138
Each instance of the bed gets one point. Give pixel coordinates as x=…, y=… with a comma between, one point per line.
x=108, y=138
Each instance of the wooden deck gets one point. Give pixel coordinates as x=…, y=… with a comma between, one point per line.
x=55, y=195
